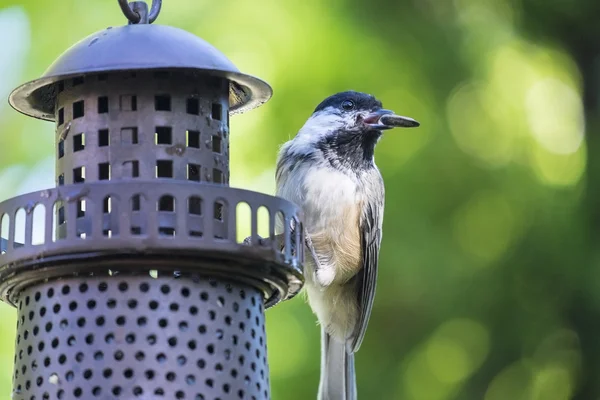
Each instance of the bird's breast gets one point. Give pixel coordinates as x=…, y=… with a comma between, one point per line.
x=331, y=202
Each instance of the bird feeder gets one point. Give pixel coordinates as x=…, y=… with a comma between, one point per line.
x=137, y=285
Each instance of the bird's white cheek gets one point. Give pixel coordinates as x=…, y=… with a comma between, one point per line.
x=315, y=129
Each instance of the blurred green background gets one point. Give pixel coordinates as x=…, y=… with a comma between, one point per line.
x=489, y=286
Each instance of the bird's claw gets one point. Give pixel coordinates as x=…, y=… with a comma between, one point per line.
x=261, y=241
x=264, y=241
x=281, y=245
x=313, y=252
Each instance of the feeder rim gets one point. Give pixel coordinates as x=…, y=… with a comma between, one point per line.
x=261, y=91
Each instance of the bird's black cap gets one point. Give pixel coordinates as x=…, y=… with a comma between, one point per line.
x=362, y=101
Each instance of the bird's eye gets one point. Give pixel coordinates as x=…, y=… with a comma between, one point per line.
x=347, y=105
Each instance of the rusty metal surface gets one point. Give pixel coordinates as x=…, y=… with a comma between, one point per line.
x=166, y=338
x=138, y=47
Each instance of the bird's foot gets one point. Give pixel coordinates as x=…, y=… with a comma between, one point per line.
x=311, y=249
x=321, y=274
x=261, y=241
x=266, y=241
x=280, y=243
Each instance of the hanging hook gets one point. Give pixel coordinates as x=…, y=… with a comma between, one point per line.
x=134, y=17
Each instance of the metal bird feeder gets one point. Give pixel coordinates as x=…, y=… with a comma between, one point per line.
x=139, y=287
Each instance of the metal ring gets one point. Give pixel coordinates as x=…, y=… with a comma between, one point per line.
x=154, y=10
x=135, y=17
x=129, y=13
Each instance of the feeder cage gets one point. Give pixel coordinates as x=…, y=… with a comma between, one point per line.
x=130, y=280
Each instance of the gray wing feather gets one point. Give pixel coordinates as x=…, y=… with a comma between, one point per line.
x=370, y=240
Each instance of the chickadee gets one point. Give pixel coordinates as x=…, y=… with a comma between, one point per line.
x=328, y=170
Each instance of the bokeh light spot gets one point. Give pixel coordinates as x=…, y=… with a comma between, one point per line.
x=558, y=169
x=485, y=226
x=474, y=130
x=559, y=364
x=420, y=383
x=446, y=360
x=457, y=349
x=555, y=115
x=514, y=383
x=552, y=383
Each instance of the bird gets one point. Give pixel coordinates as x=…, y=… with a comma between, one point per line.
x=328, y=170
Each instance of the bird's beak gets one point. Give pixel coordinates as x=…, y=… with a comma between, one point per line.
x=386, y=119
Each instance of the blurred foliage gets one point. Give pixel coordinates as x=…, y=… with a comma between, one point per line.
x=489, y=277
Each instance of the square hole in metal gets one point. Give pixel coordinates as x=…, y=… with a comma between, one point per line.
x=136, y=204
x=103, y=138
x=61, y=215
x=78, y=109
x=217, y=176
x=136, y=230
x=162, y=102
x=132, y=168
x=107, y=205
x=164, y=169
x=193, y=172
x=195, y=205
x=128, y=102
x=217, y=111
x=61, y=179
x=79, y=175
x=102, y=105
x=164, y=231
x=61, y=116
x=193, y=139
x=79, y=142
x=80, y=208
x=218, y=211
x=163, y=135
x=216, y=144
x=61, y=149
x=129, y=135
x=104, y=171
x=77, y=81
x=166, y=203
x=193, y=106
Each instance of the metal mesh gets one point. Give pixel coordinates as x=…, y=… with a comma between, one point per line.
x=138, y=337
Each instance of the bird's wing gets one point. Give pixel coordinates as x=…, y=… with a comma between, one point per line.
x=370, y=241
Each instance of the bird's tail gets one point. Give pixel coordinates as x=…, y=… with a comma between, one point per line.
x=338, y=380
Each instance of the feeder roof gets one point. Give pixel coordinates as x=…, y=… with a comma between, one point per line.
x=138, y=47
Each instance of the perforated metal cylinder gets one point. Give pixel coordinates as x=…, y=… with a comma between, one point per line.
x=125, y=338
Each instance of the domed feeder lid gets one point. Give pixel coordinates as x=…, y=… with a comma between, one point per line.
x=138, y=47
